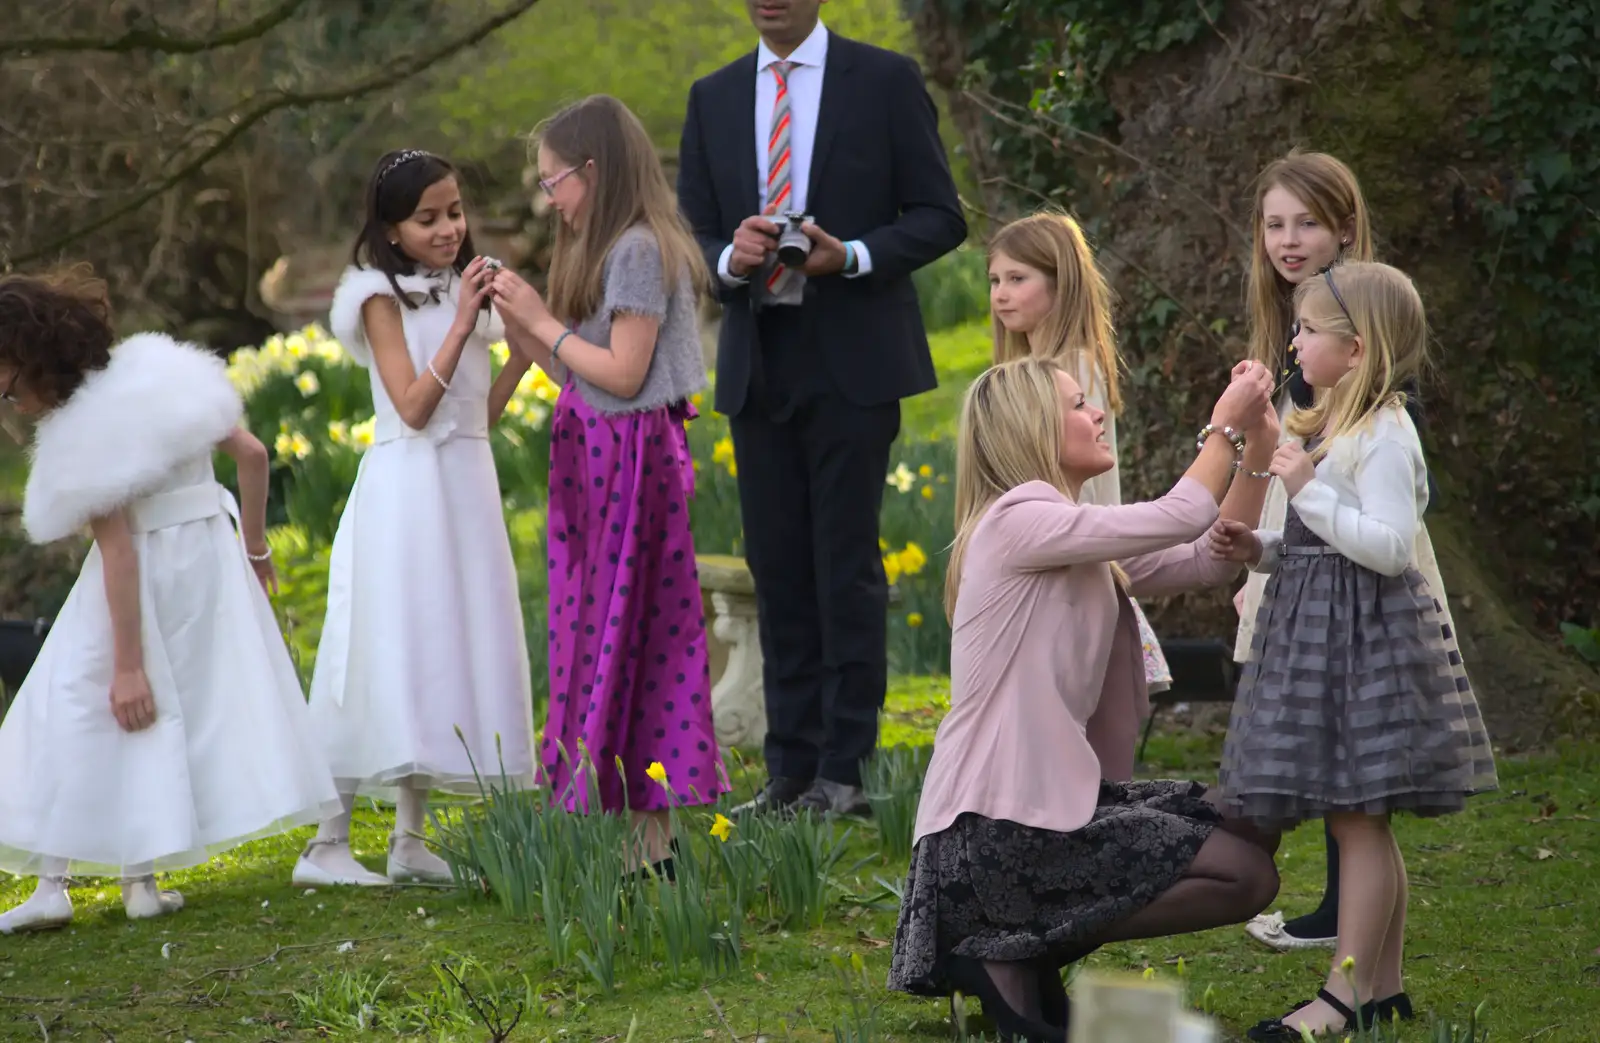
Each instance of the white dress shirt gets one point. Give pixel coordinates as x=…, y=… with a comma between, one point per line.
x=805, y=102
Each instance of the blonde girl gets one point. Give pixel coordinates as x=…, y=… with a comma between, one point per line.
x=629, y=680
x=1354, y=703
x=1048, y=299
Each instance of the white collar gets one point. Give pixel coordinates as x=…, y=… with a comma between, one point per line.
x=814, y=51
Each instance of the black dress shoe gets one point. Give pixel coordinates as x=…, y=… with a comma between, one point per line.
x=778, y=795
x=1055, y=1008
x=968, y=977
x=838, y=798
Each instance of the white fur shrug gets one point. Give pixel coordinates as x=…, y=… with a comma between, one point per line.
x=358, y=285
x=158, y=404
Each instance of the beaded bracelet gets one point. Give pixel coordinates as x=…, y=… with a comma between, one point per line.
x=1238, y=465
x=442, y=382
x=1226, y=432
x=265, y=555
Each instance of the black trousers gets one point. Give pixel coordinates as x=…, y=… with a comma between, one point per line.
x=811, y=480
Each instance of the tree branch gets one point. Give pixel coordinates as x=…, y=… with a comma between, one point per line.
x=994, y=105
x=149, y=37
x=398, y=72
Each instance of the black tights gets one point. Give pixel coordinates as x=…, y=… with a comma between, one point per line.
x=1231, y=879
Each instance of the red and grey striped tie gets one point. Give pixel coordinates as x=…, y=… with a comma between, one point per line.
x=780, y=189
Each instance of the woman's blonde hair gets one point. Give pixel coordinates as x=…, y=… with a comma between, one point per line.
x=1079, y=319
x=626, y=187
x=1332, y=194
x=1010, y=435
x=1380, y=305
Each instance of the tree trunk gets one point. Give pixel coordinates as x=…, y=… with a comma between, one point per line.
x=1167, y=187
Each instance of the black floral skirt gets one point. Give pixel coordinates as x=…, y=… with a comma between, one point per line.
x=989, y=889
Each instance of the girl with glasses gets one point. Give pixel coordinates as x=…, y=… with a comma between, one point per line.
x=630, y=686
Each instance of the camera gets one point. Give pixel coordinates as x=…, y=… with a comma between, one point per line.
x=794, y=246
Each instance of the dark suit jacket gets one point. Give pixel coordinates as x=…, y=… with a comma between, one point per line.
x=878, y=174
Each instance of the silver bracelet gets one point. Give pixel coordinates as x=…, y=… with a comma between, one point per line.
x=1226, y=432
x=442, y=382
x=265, y=555
x=1238, y=465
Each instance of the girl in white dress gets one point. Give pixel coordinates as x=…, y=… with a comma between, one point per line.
x=421, y=679
x=163, y=721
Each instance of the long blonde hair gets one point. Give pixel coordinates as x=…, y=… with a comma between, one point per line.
x=1010, y=434
x=1079, y=319
x=1383, y=308
x=626, y=187
x=1332, y=194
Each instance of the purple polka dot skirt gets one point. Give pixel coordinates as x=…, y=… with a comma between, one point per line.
x=630, y=683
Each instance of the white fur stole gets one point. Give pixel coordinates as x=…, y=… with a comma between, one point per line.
x=358, y=285
x=158, y=404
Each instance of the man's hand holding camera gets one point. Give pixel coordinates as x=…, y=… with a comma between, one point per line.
x=757, y=237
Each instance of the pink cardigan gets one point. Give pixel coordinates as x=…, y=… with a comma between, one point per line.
x=1046, y=679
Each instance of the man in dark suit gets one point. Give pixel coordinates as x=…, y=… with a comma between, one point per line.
x=814, y=358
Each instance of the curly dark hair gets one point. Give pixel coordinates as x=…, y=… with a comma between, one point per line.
x=55, y=329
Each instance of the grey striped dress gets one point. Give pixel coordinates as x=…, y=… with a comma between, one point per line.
x=1354, y=698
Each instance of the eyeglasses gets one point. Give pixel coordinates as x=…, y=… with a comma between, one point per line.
x=549, y=184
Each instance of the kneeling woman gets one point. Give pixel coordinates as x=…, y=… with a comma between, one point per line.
x=1026, y=859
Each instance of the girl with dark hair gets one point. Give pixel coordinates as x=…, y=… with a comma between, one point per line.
x=162, y=722
x=422, y=672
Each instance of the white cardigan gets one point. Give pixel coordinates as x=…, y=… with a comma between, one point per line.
x=1367, y=498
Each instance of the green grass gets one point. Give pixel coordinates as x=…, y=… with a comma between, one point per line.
x=1503, y=911
x=959, y=354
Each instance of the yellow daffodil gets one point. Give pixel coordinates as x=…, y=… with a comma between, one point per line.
x=722, y=451
x=295, y=346
x=891, y=568
x=926, y=471
x=927, y=492
x=699, y=400
x=912, y=559
x=722, y=828
x=361, y=434
x=658, y=772
x=307, y=383
x=914, y=620
x=292, y=443
x=339, y=432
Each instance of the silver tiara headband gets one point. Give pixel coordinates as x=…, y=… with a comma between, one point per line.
x=401, y=160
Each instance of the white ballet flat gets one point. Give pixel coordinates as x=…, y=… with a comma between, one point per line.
x=402, y=872
x=148, y=902
x=39, y=913
x=1268, y=929
x=308, y=874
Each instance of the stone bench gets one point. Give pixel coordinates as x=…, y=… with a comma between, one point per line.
x=738, y=706
x=733, y=645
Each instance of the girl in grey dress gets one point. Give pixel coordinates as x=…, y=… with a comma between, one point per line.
x=1354, y=703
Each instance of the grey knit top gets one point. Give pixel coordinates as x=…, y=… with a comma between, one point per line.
x=635, y=283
